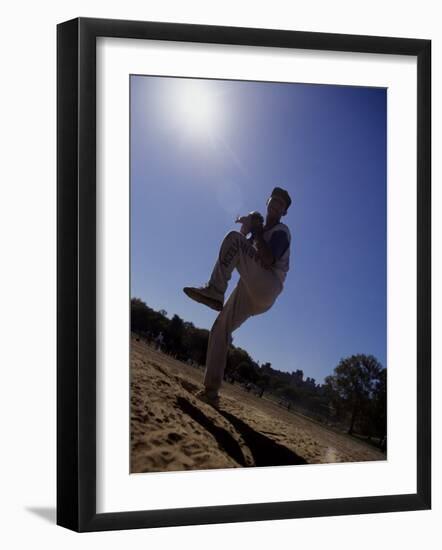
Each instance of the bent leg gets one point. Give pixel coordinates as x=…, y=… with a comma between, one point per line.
x=237, y=252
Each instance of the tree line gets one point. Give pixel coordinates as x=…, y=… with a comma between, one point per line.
x=353, y=397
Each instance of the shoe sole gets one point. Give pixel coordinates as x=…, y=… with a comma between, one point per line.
x=197, y=297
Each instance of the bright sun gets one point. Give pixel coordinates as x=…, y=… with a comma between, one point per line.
x=195, y=108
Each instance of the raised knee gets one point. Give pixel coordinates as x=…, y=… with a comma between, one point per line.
x=235, y=238
x=233, y=235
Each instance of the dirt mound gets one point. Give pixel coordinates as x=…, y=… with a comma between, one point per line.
x=171, y=429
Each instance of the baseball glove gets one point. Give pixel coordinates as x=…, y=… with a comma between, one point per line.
x=251, y=223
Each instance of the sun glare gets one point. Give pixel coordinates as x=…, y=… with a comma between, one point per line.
x=195, y=108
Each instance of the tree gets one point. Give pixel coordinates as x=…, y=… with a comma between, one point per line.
x=175, y=332
x=353, y=384
x=297, y=377
x=266, y=367
x=235, y=357
x=140, y=315
x=263, y=383
x=290, y=393
x=246, y=372
x=145, y=319
x=379, y=412
x=195, y=342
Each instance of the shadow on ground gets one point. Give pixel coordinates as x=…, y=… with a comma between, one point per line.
x=224, y=439
x=265, y=451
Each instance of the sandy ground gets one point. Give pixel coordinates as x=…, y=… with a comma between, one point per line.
x=171, y=429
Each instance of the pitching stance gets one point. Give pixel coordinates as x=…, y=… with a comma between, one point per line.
x=262, y=262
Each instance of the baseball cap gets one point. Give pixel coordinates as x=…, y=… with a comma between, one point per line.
x=282, y=193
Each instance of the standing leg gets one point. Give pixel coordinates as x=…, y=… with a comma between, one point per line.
x=237, y=309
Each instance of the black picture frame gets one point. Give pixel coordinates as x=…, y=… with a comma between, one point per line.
x=77, y=288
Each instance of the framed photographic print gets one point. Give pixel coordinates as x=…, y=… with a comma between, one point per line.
x=243, y=274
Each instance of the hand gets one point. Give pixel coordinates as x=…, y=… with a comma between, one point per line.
x=252, y=223
x=256, y=227
x=241, y=219
x=246, y=225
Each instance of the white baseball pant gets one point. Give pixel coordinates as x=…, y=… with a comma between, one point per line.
x=255, y=293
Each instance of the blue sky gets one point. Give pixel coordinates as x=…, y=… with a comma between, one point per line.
x=204, y=151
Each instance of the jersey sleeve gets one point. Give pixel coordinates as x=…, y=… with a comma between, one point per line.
x=279, y=242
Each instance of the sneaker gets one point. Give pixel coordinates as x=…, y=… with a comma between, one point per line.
x=206, y=295
x=210, y=397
